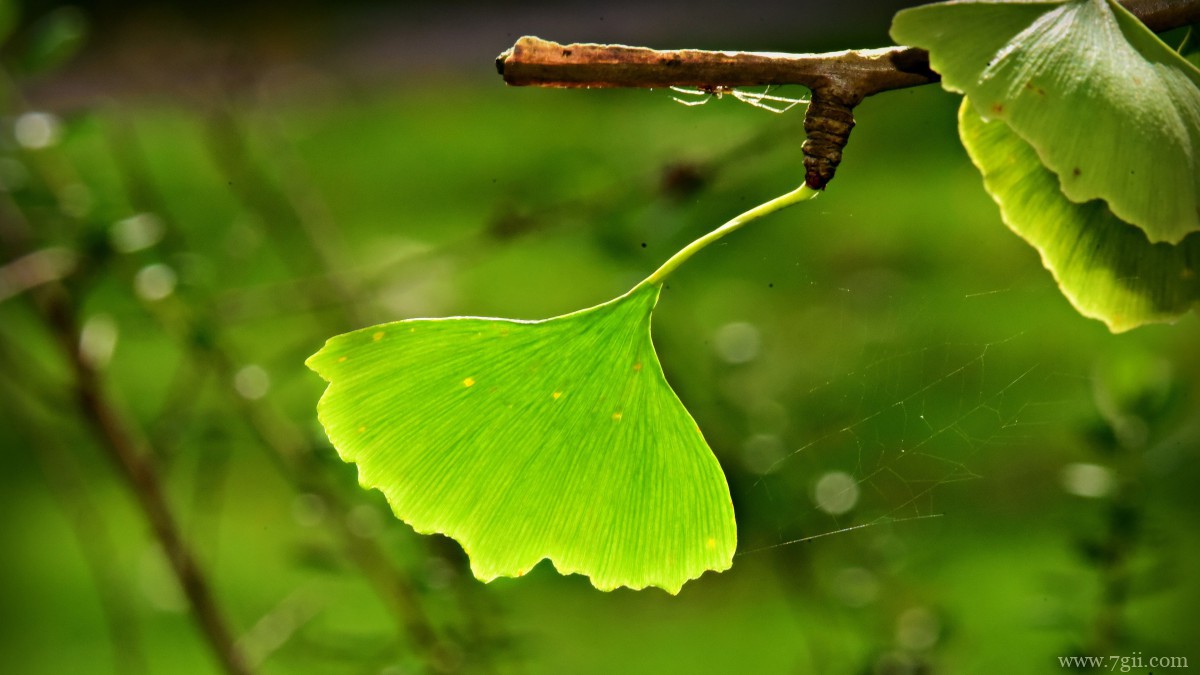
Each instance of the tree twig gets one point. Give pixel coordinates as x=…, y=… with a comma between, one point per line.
x=533, y=61
x=838, y=80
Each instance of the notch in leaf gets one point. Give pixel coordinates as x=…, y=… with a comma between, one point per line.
x=525, y=440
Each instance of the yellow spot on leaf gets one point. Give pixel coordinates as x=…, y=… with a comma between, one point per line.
x=469, y=382
x=711, y=543
x=377, y=336
x=637, y=367
x=341, y=359
x=556, y=395
x=616, y=417
x=362, y=430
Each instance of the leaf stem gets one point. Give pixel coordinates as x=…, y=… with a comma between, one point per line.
x=777, y=204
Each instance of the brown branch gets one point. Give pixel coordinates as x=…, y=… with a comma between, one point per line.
x=838, y=80
x=533, y=61
x=1163, y=15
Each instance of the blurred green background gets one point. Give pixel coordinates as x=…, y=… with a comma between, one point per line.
x=937, y=465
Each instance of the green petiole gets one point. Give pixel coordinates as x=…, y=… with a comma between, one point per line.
x=779, y=203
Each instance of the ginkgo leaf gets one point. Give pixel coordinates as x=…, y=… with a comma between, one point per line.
x=1107, y=268
x=1107, y=106
x=525, y=440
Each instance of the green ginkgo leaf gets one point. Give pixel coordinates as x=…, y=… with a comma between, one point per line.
x=526, y=440
x=553, y=439
x=1107, y=268
x=1107, y=106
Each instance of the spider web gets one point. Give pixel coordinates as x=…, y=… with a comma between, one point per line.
x=903, y=472
x=759, y=97
x=893, y=425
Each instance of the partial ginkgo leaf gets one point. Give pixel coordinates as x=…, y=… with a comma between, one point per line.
x=525, y=440
x=1108, y=107
x=1106, y=267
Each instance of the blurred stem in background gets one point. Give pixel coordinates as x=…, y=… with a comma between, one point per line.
x=1137, y=397
x=196, y=327
x=71, y=489
x=124, y=448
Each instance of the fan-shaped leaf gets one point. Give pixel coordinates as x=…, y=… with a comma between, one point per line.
x=1106, y=267
x=1108, y=107
x=526, y=440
